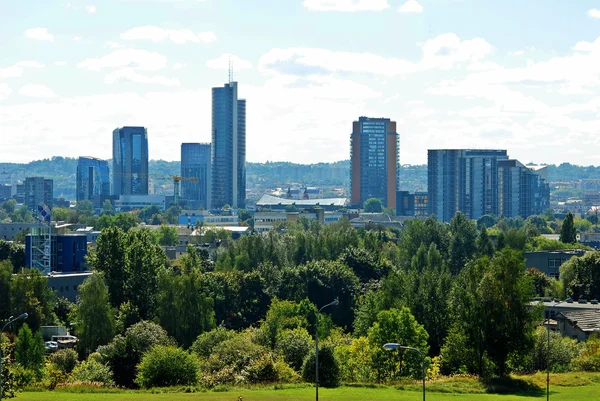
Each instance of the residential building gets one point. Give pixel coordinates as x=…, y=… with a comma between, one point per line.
x=53, y=248
x=463, y=180
x=196, y=173
x=549, y=262
x=228, y=183
x=421, y=205
x=38, y=191
x=130, y=161
x=523, y=191
x=374, y=161
x=405, y=203
x=93, y=180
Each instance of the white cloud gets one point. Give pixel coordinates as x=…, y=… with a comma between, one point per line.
x=346, y=5
x=222, y=63
x=179, y=66
x=517, y=53
x=133, y=76
x=91, y=9
x=114, y=45
x=37, y=91
x=158, y=34
x=126, y=58
x=411, y=6
x=18, y=69
x=39, y=34
x=594, y=13
x=4, y=91
x=60, y=63
x=76, y=38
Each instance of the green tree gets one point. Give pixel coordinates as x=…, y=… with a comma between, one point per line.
x=9, y=382
x=94, y=316
x=107, y=208
x=373, y=205
x=30, y=351
x=85, y=208
x=462, y=242
x=484, y=244
x=110, y=259
x=167, y=235
x=6, y=271
x=167, y=366
x=568, y=232
x=29, y=292
x=581, y=276
x=294, y=345
x=541, y=282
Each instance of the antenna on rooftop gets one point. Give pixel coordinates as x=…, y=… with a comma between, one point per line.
x=230, y=70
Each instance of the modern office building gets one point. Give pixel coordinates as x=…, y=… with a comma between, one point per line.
x=196, y=174
x=130, y=161
x=93, y=180
x=37, y=191
x=523, y=191
x=53, y=248
x=463, y=180
x=374, y=161
x=228, y=183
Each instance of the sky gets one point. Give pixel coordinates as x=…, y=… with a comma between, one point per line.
x=517, y=75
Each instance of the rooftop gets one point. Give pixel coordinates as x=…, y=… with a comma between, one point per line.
x=586, y=320
x=269, y=200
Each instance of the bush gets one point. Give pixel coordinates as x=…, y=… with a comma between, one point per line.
x=294, y=345
x=206, y=342
x=9, y=384
x=91, y=371
x=65, y=360
x=329, y=369
x=29, y=348
x=589, y=360
x=261, y=370
x=23, y=376
x=167, y=366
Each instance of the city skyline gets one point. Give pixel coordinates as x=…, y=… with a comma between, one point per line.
x=455, y=73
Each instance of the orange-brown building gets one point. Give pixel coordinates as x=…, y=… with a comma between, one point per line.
x=374, y=161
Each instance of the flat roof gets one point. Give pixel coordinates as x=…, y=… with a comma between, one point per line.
x=270, y=200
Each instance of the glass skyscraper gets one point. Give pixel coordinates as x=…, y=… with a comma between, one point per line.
x=130, y=161
x=374, y=161
x=228, y=147
x=93, y=180
x=195, y=163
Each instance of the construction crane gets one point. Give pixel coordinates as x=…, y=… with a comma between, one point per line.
x=176, y=180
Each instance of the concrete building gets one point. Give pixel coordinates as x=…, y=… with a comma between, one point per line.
x=523, y=191
x=67, y=285
x=579, y=324
x=9, y=230
x=130, y=161
x=265, y=220
x=274, y=203
x=421, y=205
x=405, y=203
x=228, y=183
x=196, y=172
x=374, y=161
x=191, y=217
x=93, y=180
x=54, y=248
x=38, y=191
x=549, y=262
x=132, y=202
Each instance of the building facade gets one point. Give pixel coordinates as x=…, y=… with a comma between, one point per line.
x=523, y=191
x=196, y=173
x=93, y=180
x=130, y=161
x=463, y=180
x=37, y=191
x=374, y=161
x=53, y=248
x=228, y=183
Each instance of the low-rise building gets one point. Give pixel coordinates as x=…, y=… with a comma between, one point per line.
x=266, y=220
x=132, y=202
x=52, y=248
x=67, y=285
x=9, y=230
x=191, y=217
x=274, y=203
x=549, y=262
x=579, y=324
x=590, y=239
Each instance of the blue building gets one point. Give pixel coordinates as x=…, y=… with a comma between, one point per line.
x=130, y=161
x=53, y=248
x=196, y=173
x=228, y=148
x=93, y=180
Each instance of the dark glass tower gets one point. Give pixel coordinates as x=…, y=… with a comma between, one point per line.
x=130, y=161
x=228, y=147
x=93, y=180
x=195, y=164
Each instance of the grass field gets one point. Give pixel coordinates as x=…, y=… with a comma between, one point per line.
x=576, y=387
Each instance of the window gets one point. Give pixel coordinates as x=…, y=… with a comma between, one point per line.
x=60, y=247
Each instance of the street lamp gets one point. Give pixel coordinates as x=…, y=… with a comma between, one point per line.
x=548, y=356
x=334, y=303
x=10, y=320
x=394, y=346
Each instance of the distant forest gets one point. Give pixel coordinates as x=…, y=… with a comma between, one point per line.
x=267, y=175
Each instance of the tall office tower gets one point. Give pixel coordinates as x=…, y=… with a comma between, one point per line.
x=463, y=180
x=93, y=180
x=523, y=191
x=130, y=161
x=38, y=191
x=195, y=165
x=228, y=148
x=374, y=161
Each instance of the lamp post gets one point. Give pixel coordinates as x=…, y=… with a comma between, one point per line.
x=548, y=356
x=393, y=346
x=334, y=303
x=10, y=320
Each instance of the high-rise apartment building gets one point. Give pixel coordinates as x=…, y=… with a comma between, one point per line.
x=38, y=191
x=196, y=174
x=93, y=180
x=130, y=161
x=477, y=182
x=228, y=184
x=374, y=161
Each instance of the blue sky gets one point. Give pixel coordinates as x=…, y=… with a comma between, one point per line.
x=519, y=75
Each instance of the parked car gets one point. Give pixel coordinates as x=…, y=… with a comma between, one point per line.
x=51, y=346
x=65, y=341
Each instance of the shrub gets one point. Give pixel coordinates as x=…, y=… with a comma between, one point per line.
x=53, y=377
x=23, y=376
x=9, y=384
x=65, y=360
x=29, y=348
x=91, y=371
x=329, y=369
x=589, y=360
x=294, y=345
x=261, y=370
x=206, y=342
x=167, y=366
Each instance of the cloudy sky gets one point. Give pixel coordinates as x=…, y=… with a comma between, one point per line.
x=513, y=74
